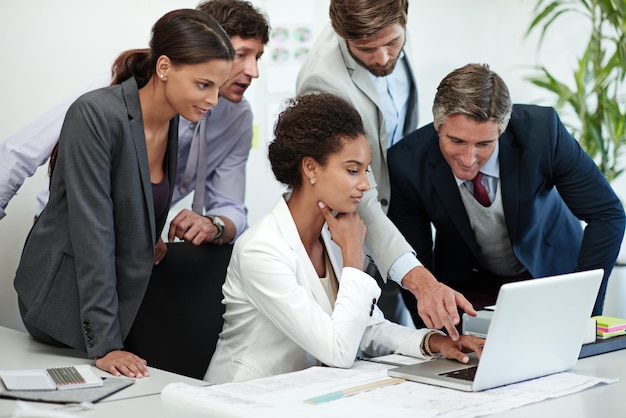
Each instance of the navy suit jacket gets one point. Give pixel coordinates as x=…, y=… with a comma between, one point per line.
x=548, y=185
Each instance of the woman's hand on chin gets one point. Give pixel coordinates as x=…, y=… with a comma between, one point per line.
x=347, y=230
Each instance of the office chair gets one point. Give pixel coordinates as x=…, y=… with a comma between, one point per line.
x=180, y=318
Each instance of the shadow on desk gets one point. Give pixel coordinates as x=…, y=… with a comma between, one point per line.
x=180, y=318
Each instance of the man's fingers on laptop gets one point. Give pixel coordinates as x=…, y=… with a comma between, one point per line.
x=452, y=331
x=464, y=304
x=452, y=317
x=440, y=316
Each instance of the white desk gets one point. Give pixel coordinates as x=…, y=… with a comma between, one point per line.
x=143, y=398
x=601, y=401
x=605, y=401
x=21, y=351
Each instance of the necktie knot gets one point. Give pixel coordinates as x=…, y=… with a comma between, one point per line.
x=480, y=192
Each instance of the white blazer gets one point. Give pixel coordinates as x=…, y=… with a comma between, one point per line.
x=278, y=317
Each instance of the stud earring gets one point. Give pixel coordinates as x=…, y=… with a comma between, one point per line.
x=161, y=76
x=313, y=180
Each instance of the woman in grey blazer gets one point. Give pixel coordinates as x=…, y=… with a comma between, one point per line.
x=88, y=259
x=295, y=293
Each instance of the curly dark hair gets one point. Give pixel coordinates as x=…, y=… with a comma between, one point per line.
x=238, y=18
x=312, y=125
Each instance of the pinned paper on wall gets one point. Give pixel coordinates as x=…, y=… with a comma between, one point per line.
x=291, y=39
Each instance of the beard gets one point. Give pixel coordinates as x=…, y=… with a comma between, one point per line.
x=376, y=69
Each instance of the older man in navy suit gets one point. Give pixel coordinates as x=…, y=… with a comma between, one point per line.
x=505, y=187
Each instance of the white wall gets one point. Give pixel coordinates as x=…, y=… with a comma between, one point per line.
x=50, y=50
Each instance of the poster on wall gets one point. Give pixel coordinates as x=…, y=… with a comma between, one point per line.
x=290, y=41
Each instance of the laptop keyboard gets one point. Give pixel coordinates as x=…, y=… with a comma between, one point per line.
x=464, y=374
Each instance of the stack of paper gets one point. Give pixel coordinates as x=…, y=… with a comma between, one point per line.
x=608, y=326
x=364, y=391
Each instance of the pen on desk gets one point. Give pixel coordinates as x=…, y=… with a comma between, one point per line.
x=353, y=391
x=376, y=360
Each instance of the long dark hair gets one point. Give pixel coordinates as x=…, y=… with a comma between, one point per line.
x=185, y=36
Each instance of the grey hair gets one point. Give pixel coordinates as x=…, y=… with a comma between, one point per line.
x=476, y=92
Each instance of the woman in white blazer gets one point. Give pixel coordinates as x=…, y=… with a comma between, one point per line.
x=295, y=292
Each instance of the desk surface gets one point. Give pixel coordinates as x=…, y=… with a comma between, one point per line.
x=605, y=401
x=601, y=401
x=21, y=351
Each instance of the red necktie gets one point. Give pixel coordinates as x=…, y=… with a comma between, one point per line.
x=480, y=193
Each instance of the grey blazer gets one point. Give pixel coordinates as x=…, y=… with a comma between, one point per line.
x=88, y=259
x=330, y=68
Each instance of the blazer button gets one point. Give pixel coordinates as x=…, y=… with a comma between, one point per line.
x=372, y=306
x=384, y=202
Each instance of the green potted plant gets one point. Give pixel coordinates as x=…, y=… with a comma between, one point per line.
x=596, y=93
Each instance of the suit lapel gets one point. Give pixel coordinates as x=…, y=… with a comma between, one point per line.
x=362, y=80
x=171, y=160
x=360, y=76
x=412, y=112
x=131, y=97
x=446, y=188
x=289, y=232
x=509, y=182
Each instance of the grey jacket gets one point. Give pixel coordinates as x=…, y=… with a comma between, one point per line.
x=330, y=68
x=88, y=259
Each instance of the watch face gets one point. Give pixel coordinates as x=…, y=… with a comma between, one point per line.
x=219, y=224
x=217, y=221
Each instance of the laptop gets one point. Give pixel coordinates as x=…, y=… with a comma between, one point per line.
x=537, y=329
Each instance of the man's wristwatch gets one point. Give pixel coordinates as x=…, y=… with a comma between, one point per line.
x=219, y=223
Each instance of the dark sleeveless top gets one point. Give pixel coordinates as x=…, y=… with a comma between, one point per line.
x=160, y=195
